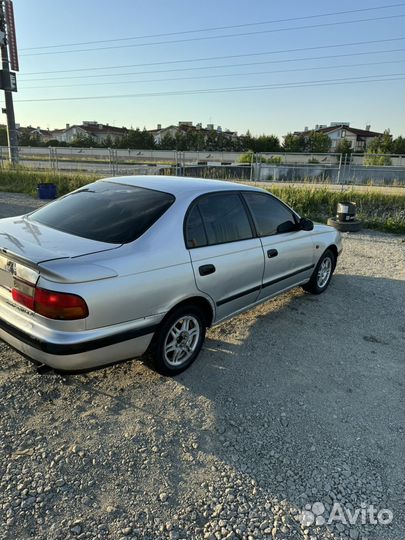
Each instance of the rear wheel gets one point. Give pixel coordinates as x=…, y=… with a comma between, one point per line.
x=178, y=340
x=322, y=274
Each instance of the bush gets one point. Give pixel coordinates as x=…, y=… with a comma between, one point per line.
x=274, y=160
x=373, y=159
x=246, y=158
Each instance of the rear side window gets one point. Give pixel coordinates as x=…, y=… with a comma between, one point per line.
x=269, y=214
x=106, y=212
x=222, y=219
x=195, y=231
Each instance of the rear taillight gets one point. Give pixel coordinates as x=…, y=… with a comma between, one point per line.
x=55, y=305
x=50, y=304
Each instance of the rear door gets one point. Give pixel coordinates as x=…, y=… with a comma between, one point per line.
x=227, y=260
x=288, y=251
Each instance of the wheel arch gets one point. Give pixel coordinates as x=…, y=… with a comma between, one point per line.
x=333, y=248
x=199, y=301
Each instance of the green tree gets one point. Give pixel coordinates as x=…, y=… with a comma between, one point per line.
x=167, y=142
x=265, y=143
x=294, y=143
x=381, y=145
x=378, y=150
x=83, y=141
x=55, y=142
x=398, y=145
x=317, y=142
x=247, y=141
x=344, y=147
x=137, y=139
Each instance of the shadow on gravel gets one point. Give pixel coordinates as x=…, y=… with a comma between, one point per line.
x=290, y=404
x=308, y=398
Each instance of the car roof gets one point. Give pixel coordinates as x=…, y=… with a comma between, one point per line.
x=179, y=185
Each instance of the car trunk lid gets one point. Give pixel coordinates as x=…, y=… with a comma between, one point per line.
x=30, y=241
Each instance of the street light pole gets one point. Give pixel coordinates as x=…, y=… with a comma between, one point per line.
x=8, y=94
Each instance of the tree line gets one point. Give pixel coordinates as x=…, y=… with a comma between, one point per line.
x=193, y=140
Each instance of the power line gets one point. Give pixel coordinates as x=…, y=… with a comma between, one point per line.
x=215, y=28
x=220, y=66
x=301, y=84
x=384, y=62
x=223, y=36
x=204, y=59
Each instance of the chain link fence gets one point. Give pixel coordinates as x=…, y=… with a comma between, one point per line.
x=328, y=168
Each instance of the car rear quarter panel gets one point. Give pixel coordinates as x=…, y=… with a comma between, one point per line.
x=153, y=274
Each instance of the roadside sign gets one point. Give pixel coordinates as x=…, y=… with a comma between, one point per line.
x=13, y=81
x=11, y=36
x=8, y=80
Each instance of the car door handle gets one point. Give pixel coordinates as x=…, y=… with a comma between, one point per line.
x=206, y=269
x=272, y=253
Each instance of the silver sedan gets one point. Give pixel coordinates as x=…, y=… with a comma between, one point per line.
x=133, y=264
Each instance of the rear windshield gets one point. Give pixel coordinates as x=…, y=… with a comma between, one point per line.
x=105, y=211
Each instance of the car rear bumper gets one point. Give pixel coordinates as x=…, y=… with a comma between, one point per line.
x=71, y=351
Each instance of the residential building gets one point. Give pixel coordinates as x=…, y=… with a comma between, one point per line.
x=187, y=127
x=99, y=132
x=338, y=131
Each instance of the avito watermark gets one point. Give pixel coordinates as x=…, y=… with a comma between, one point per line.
x=316, y=514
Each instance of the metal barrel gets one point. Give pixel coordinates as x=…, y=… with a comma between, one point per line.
x=346, y=211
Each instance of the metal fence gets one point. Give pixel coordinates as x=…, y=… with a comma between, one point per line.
x=356, y=169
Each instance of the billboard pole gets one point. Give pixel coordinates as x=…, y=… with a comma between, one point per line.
x=6, y=34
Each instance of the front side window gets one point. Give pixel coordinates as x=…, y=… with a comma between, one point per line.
x=216, y=219
x=106, y=212
x=269, y=214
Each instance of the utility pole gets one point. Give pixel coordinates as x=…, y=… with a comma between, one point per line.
x=8, y=80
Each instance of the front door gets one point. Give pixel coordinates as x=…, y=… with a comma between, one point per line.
x=288, y=251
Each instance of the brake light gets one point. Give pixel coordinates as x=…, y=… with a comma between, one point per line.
x=55, y=305
x=50, y=304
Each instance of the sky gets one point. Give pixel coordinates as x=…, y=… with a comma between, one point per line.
x=273, y=45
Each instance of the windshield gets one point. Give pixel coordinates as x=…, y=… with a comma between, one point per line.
x=105, y=211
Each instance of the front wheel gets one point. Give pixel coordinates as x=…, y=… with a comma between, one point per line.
x=322, y=274
x=178, y=340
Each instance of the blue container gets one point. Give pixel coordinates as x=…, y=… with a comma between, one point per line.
x=47, y=190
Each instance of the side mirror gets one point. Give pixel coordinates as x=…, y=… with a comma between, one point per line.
x=306, y=224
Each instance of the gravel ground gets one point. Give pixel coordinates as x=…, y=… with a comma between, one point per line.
x=15, y=204
x=297, y=402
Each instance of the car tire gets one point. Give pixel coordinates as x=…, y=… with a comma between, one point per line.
x=322, y=274
x=345, y=226
x=178, y=340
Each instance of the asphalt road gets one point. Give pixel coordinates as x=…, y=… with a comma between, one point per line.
x=298, y=402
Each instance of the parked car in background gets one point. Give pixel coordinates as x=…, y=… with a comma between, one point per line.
x=130, y=264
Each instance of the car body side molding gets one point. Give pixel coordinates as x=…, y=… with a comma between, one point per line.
x=266, y=284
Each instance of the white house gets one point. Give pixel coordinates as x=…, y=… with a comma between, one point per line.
x=187, y=127
x=338, y=131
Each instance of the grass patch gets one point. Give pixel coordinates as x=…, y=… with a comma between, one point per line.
x=376, y=209
x=26, y=181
